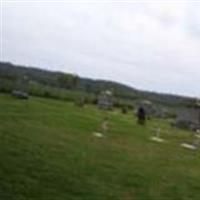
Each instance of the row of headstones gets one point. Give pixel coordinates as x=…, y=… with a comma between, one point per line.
x=193, y=146
x=156, y=137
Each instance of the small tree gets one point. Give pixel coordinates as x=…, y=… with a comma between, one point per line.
x=68, y=81
x=124, y=109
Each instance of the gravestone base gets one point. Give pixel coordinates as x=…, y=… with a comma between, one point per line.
x=157, y=139
x=99, y=135
x=198, y=136
x=188, y=146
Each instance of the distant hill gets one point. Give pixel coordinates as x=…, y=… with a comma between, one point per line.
x=12, y=75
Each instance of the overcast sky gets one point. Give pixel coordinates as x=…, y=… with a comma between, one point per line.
x=153, y=46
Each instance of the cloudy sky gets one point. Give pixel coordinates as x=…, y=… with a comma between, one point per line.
x=150, y=45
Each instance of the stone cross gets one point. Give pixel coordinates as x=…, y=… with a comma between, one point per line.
x=104, y=125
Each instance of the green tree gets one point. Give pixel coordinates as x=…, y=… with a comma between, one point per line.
x=68, y=81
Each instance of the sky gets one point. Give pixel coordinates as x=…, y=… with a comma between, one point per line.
x=149, y=45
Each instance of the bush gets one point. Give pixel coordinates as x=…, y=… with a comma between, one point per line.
x=124, y=109
x=80, y=102
x=6, y=86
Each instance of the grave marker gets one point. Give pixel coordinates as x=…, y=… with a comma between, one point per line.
x=157, y=137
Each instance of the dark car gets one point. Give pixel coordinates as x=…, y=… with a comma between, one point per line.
x=20, y=94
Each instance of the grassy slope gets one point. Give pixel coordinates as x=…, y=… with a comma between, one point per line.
x=47, y=151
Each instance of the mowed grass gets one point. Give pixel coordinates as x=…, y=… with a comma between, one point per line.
x=48, y=152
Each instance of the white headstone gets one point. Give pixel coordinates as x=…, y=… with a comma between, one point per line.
x=99, y=135
x=188, y=146
x=157, y=138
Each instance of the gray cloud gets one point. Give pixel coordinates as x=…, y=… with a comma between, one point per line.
x=150, y=46
x=193, y=19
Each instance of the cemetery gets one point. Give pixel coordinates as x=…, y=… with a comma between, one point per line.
x=51, y=142
x=99, y=100
x=111, y=147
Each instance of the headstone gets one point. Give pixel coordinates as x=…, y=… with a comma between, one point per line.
x=157, y=138
x=105, y=100
x=198, y=133
x=99, y=135
x=188, y=118
x=104, y=125
x=188, y=146
x=195, y=143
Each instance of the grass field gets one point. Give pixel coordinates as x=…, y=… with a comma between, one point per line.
x=48, y=152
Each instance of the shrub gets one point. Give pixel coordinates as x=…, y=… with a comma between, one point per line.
x=124, y=109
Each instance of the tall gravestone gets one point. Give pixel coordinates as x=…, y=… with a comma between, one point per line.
x=105, y=100
x=196, y=140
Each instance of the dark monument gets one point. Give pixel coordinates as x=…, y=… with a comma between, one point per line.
x=141, y=115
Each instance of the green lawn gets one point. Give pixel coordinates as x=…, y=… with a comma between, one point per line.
x=47, y=151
